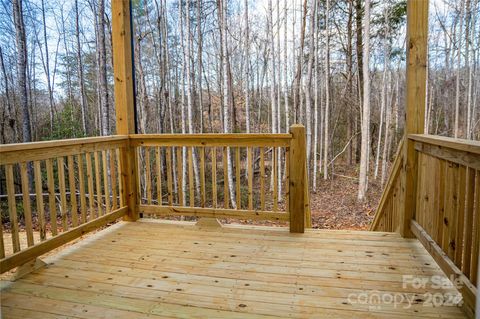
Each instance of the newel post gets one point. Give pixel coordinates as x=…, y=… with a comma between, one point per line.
x=416, y=87
x=124, y=100
x=296, y=187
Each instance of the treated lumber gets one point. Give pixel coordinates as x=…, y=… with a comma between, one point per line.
x=460, y=157
x=417, y=38
x=72, y=189
x=469, y=146
x=12, y=207
x=36, y=151
x=231, y=140
x=389, y=187
x=466, y=288
x=211, y=212
x=39, y=199
x=29, y=253
x=297, y=179
x=27, y=208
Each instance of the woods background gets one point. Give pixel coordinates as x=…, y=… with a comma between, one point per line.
x=204, y=66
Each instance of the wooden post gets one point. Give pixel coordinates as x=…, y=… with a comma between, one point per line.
x=124, y=99
x=417, y=34
x=296, y=186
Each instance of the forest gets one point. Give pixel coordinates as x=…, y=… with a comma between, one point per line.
x=220, y=66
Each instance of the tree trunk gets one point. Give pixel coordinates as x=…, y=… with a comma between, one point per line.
x=102, y=70
x=46, y=67
x=81, y=80
x=326, y=117
x=364, y=157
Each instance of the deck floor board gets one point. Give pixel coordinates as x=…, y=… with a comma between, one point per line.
x=152, y=269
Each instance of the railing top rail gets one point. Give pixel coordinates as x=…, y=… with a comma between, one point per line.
x=228, y=139
x=60, y=143
x=469, y=146
x=35, y=151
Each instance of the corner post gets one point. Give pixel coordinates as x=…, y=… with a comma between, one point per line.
x=125, y=99
x=417, y=36
x=296, y=187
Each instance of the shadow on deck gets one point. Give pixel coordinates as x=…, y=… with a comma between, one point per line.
x=160, y=269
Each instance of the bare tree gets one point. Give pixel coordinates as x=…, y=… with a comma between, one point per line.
x=365, y=151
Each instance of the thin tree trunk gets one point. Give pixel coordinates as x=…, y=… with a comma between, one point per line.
x=81, y=80
x=47, y=68
x=102, y=70
x=364, y=157
x=326, y=117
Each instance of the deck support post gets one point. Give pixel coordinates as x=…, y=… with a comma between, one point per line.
x=297, y=184
x=125, y=99
x=28, y=267
x=416, y=86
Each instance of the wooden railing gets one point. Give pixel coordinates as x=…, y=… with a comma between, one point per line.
x=387, y=217
x=447, y=206
x=187, y=175
x=60, y=190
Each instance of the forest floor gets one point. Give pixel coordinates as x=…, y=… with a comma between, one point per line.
x=335, y=204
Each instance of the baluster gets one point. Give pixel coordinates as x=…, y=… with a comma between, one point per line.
x=159, y=175
x=51, y=197
x=73, y=191
x=214, y=177
x=190, y=178
x=39, y=199
x=90, y=185
x=202, y=176
x=169, y=176
x=12, y=208
x=27, y=208
x=250, y=178
x=106, y=189
x=98, y=183
x=237, y=178
x=81, y=186
x=148, y=176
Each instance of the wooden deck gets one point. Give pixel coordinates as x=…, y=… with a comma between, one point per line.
x=177, y=270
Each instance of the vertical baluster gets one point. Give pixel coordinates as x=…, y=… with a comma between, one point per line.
x=39, y=199
x=27, y=208
x=262, y=179
x=81, y=186
x=63, y=196
x=190, y=178
x=275, y=179
x=181, y=199
x=148, y=176
x=476, y=234
x=98, y=183
x=468, y=221
x=2, y=245
x=51, y=197
x=106, y=188
x=226, y=194
x=169, y=176
x=202, y=176
x=214, y=177
x=91, y=197
x=73, y=190
x=121, y=180
x=460, y=215
x=113, y=175
x=238, y=190
x=159, y=175
x=287, y=179
x=250, y=177
x=12, y=208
